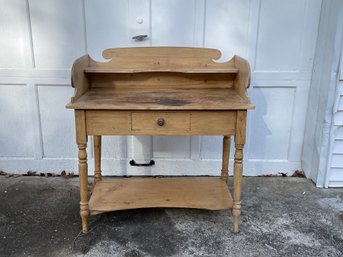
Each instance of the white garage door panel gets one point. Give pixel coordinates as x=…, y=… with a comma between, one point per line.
x=106, y=25
x=12, y=38
x=226, y=26
x=57, y=123
x=57, y=32
x=283, y=33
x=271, y=122
x=173, y=22
x=114, y=147
x=172, y=147
x=211, y=147
x=16, y=135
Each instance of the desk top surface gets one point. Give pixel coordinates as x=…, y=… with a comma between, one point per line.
x=161, y=99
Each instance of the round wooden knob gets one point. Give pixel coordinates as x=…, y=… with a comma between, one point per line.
x=160, y=122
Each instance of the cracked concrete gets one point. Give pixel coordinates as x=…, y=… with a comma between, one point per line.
x=280, y=217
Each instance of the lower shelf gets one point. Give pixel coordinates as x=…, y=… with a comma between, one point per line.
x=133, y=193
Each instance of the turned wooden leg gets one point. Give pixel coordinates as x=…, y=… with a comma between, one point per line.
x=225, y=158
x=81, y=139
x=83, y=176
x=238, y=169
x=237, y=183
x=97, y=158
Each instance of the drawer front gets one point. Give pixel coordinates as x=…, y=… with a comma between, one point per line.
x=213, y=122
x=108, y=122
x=103, y=122
x=166, y=123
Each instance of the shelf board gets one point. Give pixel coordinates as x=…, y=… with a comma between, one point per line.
x=161, y=99
x=210, y=193
x=180, y=70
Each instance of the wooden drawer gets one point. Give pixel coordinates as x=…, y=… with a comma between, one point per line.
x=166, y=123
x=104, y=122
x=213, y=122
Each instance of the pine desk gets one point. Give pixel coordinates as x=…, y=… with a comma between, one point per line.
x=160, y=91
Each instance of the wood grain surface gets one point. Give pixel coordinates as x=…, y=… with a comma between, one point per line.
x=162, y=80
x=161, y=69
x=132, y=193
x=161, y=99
x=106, y=122
x=165, y=57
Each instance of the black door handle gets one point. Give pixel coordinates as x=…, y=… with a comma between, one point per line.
x=140, y=37
x=133, y=163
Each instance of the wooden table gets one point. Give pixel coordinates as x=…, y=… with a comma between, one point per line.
x=160, y=91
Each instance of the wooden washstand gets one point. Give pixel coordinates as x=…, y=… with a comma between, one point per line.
x=160, y=91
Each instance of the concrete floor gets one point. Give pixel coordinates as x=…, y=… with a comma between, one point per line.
x=280, y=217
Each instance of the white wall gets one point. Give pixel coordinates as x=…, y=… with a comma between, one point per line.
x=40, y=39
x=334, y=176
x=322, y=148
